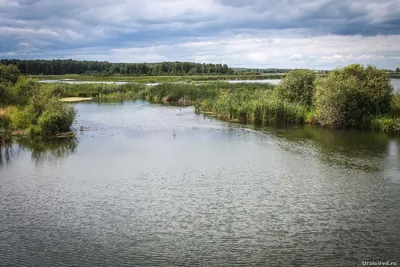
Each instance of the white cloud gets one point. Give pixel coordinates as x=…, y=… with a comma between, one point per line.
x=253, y=33
x=257, y=51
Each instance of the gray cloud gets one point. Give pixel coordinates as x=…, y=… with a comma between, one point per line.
x=39, y=28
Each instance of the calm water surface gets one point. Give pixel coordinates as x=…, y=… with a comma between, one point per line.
x=125, y=192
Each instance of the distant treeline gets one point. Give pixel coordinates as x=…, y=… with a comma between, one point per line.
x=61, y=67
x=253, y=70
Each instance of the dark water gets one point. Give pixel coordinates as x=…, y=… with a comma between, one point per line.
x=125, y=192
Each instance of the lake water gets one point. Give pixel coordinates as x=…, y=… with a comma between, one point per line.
x=127, y=192
x=271, y=81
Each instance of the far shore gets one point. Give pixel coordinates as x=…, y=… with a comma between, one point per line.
x=75, y=99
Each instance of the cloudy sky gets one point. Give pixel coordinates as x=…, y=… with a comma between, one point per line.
x=241, y=33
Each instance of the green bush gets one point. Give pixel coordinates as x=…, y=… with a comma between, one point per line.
x=297, y=87
x=25, y=89
x=6, y=96
x=20, y=118
x=348, y=95
x=9, y=73
x=57, y=117
x=386, y=124
x=38, y=111
x=395, y=107
x=47, y=117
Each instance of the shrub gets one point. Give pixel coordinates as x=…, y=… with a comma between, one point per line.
x=9, y=73
x=348, y=95
x=395, y=107
x=297, y=87
x=43, y=115
x=5, y=94
x=386, y=124
x=24, y=89
x=56, y=117
x=20, y=118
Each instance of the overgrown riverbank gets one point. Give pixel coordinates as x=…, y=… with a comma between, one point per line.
x=27, y=107
x=352, y=97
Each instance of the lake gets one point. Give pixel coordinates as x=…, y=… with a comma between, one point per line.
x=154, y=185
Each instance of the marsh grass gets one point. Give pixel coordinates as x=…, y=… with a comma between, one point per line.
x=157, y=79
x=354, y=97
x=5, y=128
x=255, y=106
x=162, y=92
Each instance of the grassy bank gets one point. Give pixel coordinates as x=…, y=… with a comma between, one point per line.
x=164, y=91
x=352, y=97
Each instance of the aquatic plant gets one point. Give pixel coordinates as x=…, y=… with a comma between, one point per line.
x=297, y=87
x=5, y=129
x=258, y=106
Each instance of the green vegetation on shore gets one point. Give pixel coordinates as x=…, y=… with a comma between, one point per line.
x=29, y=107
x=351, y=97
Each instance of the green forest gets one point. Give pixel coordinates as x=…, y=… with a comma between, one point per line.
x=62, y=67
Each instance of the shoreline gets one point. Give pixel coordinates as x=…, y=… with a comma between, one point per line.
x=75, y=99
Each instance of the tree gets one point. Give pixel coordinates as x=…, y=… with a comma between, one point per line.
x=61, y=67
x=297, y=87
x=8, y=73
x=397, y=70
x=349, y=95
x=25, y=89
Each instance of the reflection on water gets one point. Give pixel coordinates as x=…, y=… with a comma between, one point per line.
x=346, y=148
x=6, y=153
x=153, y=185
x=51, y=149
x=40, y=149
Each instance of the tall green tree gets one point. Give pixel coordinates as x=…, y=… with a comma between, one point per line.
x=297, y=87
x=349, y=95
x=61, y=67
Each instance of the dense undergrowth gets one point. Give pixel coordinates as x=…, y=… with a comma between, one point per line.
x=351, y=97
x=28, y=107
